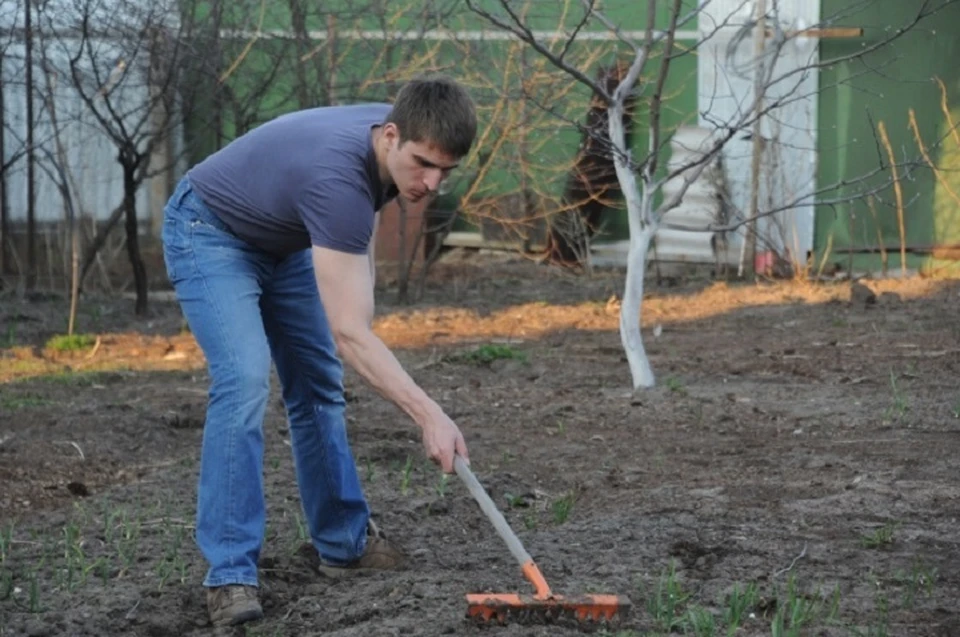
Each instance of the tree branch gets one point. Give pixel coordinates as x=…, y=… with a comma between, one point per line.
x=655, y=100
x=524, y=33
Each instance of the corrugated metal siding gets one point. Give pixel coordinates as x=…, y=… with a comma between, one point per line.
x=700, y=207
x=788, y=169
x=91, y=154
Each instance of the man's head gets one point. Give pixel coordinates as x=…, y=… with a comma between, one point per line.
x=431, y=127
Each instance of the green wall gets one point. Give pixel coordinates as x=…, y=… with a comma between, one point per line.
x=855, y=97
x=884, y=86
x=265, y=83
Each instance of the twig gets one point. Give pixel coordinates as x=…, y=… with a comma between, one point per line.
x=192, y=390
x=133, y=611
x=826, y=255
x=945, y=107
x=247, y=48
x=880, y=242
x=926, y=157
x=96, y=347
x=72, y=444
x=436, y=357
x=803, y=554
x=524, y=33
x=174, y=521
x=26, y=542
x=899, y=195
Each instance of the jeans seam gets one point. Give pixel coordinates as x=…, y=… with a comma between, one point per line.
x=344, y=526
x=229, y=540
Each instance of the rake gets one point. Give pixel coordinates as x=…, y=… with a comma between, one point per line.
x=543, y=606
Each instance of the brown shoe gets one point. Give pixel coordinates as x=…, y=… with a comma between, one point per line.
x=379, y=555
x=233, y=604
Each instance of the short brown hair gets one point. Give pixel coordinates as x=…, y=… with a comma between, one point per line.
x=438, y=110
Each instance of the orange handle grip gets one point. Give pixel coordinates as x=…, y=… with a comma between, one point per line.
x=532, y=572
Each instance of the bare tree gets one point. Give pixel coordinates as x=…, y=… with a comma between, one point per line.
x=28, y=130
x=124, y=59
x=520, y=187
x=650, y=57
x=58, y=171
x=333, y=56
x=592, y=186
x=8, y=156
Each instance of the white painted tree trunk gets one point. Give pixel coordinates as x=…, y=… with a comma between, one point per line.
x=643, y=226
x=630, y=336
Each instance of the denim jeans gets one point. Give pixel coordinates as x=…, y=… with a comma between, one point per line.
x=244, y=307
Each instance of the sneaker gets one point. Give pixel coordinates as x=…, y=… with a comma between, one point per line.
x=379, y=555
x=233, y=604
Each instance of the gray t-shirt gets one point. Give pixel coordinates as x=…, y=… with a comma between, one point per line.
x=305, y=178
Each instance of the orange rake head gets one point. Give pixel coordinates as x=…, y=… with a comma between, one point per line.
x=504, y=608
x=545, y=607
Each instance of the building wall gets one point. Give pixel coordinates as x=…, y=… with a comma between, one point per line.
x=474, y=51
x=727, y=71
x=856, y=96
x=91, y=166
x=91, y=154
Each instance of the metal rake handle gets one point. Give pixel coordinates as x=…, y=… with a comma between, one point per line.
x=527, y=565
x=490, y=509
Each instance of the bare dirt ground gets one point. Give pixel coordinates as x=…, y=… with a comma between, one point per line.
x=801, y=439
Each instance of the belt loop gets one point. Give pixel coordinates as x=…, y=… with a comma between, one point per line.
x=183, y=189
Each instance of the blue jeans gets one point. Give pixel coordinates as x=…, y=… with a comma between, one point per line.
x=245, y=306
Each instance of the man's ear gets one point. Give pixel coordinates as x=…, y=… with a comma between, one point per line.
x=391, y=134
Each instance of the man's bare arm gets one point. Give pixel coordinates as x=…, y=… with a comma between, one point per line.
x=347, y=293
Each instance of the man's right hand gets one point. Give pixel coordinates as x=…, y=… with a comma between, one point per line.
x=442, y=440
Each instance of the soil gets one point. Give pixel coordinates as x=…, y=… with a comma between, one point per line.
x=799, y=435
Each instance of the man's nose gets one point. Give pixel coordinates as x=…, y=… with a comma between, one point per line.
x=432, y=179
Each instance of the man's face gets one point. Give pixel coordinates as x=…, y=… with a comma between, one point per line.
x=416, y=168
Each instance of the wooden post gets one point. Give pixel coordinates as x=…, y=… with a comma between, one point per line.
x=749, y=251
x=161, y=154
x=4, y=207
x=31, y=153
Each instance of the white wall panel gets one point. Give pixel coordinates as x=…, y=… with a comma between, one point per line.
x=91, y=153
x=726, y=88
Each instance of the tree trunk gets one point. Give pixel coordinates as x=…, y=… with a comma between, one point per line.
x=98, y=242
x=748, y=251
x=218, y=87
x=61, y=167
x=74, y=269
x=643, y=226
x=298, y=20
x=630, y=335
x=133, y=242
x=4, y=201
x=31, y=151
x=403, y=274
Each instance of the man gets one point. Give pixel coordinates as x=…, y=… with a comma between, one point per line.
x=268, y=243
